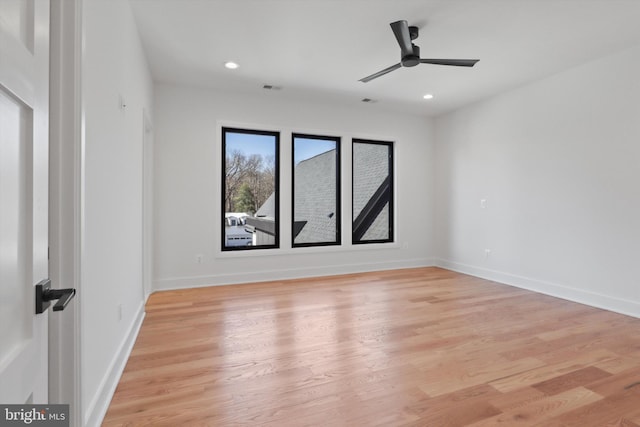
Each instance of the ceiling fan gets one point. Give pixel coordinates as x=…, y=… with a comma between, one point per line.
x=410, y=53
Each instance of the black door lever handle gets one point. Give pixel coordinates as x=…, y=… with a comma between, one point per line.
x=44, y=296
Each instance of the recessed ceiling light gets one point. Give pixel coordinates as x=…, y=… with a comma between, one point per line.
x=428, y=96
x=231, y=65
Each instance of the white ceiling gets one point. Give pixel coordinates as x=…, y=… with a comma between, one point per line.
x=318, y=49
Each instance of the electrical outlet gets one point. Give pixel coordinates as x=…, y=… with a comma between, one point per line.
x=487, y=252
x=119, y=311
x=199, y=258
x=483, y=203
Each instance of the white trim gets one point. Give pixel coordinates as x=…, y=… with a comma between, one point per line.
x=306, y=250
x=593, y=299
x=283, y=274
x=98, y=407
x=65, y=200
x=147, y=204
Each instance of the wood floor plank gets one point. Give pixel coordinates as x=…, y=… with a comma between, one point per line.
x=550, y=371
x=543, y=409
x=617, y=383
x=620, y=405
x=617, y=365
x=582, y=377
x=414, y=347
x=445, y=410
x=453, y=375
x=516, y=399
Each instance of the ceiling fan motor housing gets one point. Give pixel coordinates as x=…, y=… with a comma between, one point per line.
x=413, y=32
x=413, y=59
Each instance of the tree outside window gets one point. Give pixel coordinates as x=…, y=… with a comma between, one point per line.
x=250, y=189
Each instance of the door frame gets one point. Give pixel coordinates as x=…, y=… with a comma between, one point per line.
x=147, y=205
x=66, y=218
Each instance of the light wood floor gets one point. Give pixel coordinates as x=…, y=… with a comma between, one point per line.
x=417, y=347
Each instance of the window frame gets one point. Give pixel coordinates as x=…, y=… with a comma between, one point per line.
x=276, y=135
x=338, y=213
x=356, y=229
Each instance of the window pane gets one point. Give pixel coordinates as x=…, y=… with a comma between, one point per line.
x=316, y=190
x=250, y=189
x=372, y=191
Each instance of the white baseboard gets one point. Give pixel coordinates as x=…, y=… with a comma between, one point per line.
x=283, y=274
x=618, y=305
x=97, y=408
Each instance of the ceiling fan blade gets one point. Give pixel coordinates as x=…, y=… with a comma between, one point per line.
x=380, y=73
x=401, y=31
x=456, y=62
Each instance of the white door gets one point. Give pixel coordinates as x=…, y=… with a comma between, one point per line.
x=24, y=162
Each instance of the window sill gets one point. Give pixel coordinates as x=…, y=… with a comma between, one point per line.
x=306, y=250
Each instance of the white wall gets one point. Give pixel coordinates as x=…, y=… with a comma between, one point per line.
x=558, y=163
x=187, y=187
x=113, y=66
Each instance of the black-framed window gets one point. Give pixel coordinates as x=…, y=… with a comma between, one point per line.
x=316, y=190
x=372, y=170
x=250, y=200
